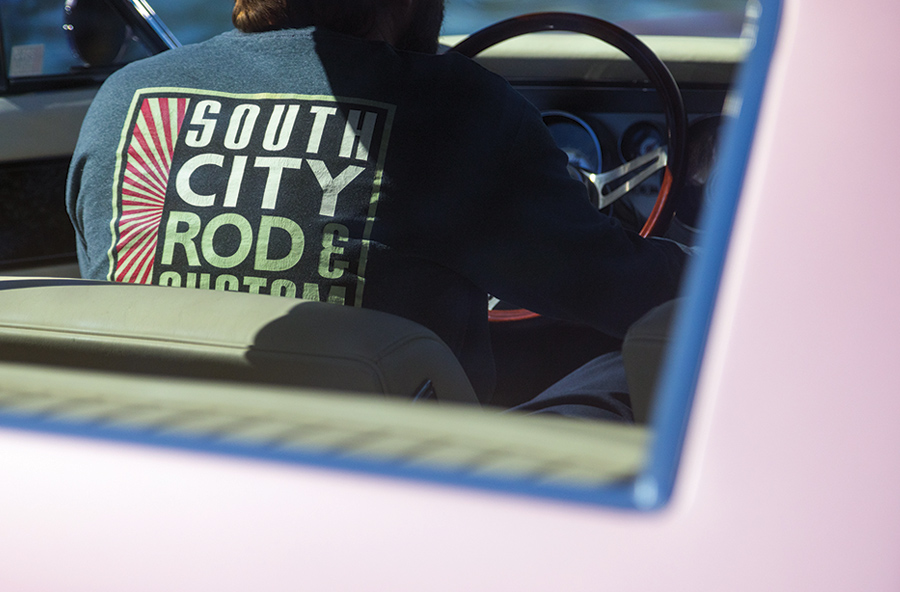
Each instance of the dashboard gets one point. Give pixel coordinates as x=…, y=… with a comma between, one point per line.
x=600, y=141
x=604, y=113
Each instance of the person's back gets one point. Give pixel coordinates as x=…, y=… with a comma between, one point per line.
x=301, y=162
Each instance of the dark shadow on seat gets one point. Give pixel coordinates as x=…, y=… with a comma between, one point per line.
x=211, y=335
x=331, y=346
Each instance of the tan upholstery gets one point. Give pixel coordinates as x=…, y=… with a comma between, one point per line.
x=223, y=335
x=642, y=352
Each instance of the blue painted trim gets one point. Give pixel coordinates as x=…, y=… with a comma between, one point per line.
x=653, y=488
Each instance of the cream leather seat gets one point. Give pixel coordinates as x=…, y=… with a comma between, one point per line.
x=643, y=353
x=224, y=335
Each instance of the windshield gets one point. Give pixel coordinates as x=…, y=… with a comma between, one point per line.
x=716, y=18
x=36, y=47
x=192, y=20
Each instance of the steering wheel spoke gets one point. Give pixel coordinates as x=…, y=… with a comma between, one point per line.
x=614, y=184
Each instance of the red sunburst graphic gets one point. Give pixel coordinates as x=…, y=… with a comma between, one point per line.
x=145, y=178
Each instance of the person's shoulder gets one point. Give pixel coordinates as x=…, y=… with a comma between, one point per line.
x=455, y=64
x=163, y=68
x=454, y=75
x=174, y=57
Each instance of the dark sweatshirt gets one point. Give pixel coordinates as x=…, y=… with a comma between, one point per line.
x=308, y=164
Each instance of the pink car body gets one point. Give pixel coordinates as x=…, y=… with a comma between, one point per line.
x=787, y=480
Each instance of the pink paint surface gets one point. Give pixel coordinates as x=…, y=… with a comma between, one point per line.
x=789, y=480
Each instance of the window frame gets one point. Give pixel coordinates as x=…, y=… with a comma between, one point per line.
x=670, y=417
x=653, y=486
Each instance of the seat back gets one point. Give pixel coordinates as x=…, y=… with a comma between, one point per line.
x=643, y=352
x=224, y=335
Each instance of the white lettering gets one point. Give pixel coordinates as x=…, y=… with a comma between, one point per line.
x=170, y=278
x=274, y=140
x=285, y=288
x=318, y=127
x=336, y=294
x=201, y=138
x=184, y=238
x=332, y=186
x=227, y=283
x=333, y=268
x=267, y=223
x=234, y=181
x=243, y=246
x=240, y=127
x=276, y=166
x=191, y=281
x=183, y=179
x=254, y=283
x=353, y=132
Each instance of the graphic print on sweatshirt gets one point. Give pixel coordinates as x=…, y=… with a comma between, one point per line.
x=261, y=193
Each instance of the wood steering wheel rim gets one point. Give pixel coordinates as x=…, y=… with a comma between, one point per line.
x=657, y=72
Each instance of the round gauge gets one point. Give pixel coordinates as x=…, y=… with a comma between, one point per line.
x=576, y=138
x=639, y=139
x=703, y=138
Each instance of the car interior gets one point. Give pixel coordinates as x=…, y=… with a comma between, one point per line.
x=638, y=116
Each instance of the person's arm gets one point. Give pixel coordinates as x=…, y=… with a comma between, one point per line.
x=543, y=246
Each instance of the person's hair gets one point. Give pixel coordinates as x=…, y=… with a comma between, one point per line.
x=254, y=16
x=351, y=17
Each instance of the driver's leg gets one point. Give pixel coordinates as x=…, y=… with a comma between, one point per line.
x=597, y=390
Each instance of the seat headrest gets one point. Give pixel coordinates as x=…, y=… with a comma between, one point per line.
x=223, y=335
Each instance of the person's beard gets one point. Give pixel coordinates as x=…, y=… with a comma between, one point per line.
x=424, y=27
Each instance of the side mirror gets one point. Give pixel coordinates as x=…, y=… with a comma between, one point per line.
x=97, y=34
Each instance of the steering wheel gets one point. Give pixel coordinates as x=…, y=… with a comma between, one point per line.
x=674, y=158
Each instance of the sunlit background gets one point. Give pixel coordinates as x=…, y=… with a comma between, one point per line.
x=29, y=22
